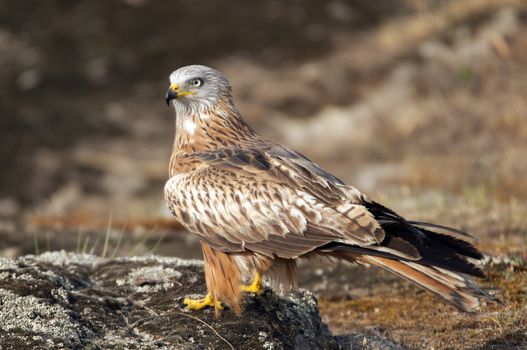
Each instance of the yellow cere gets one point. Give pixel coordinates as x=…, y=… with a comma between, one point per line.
x=175, y=87
x=185, y=93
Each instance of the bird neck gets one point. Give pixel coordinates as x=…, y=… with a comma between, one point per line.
x=217, y=127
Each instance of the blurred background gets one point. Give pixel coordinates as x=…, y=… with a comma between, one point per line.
x=422, y=104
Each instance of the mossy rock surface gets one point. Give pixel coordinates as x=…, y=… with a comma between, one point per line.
x=62, y=300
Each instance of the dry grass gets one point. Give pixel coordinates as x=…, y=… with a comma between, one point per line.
x=418, y=321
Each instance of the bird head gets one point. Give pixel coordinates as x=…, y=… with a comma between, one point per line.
x=196, y=88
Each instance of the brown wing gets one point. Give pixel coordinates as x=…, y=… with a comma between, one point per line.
x=275, y=202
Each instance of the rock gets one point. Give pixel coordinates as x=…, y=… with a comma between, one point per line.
x=63, y=300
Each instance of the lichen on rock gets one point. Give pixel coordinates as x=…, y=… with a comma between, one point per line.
x=64, y=300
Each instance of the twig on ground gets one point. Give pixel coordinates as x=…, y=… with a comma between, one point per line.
x=185, y=315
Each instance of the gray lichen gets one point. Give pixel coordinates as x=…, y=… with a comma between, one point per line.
x=64, y=300
x=31, y=315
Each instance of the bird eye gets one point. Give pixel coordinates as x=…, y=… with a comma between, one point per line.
x=197, y=82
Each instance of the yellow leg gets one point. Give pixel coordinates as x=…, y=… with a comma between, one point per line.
x=255, y=287
x=198, y=304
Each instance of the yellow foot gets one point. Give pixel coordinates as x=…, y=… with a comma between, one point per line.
x=198, y=304
x=255, y=287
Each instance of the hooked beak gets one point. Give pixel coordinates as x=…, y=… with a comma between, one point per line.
x=172, y=93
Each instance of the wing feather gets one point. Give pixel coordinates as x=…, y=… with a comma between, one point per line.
x=272, y=201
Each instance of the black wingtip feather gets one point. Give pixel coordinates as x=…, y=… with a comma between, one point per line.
x=448, y=229
x=459, y=246
x=436, y=249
